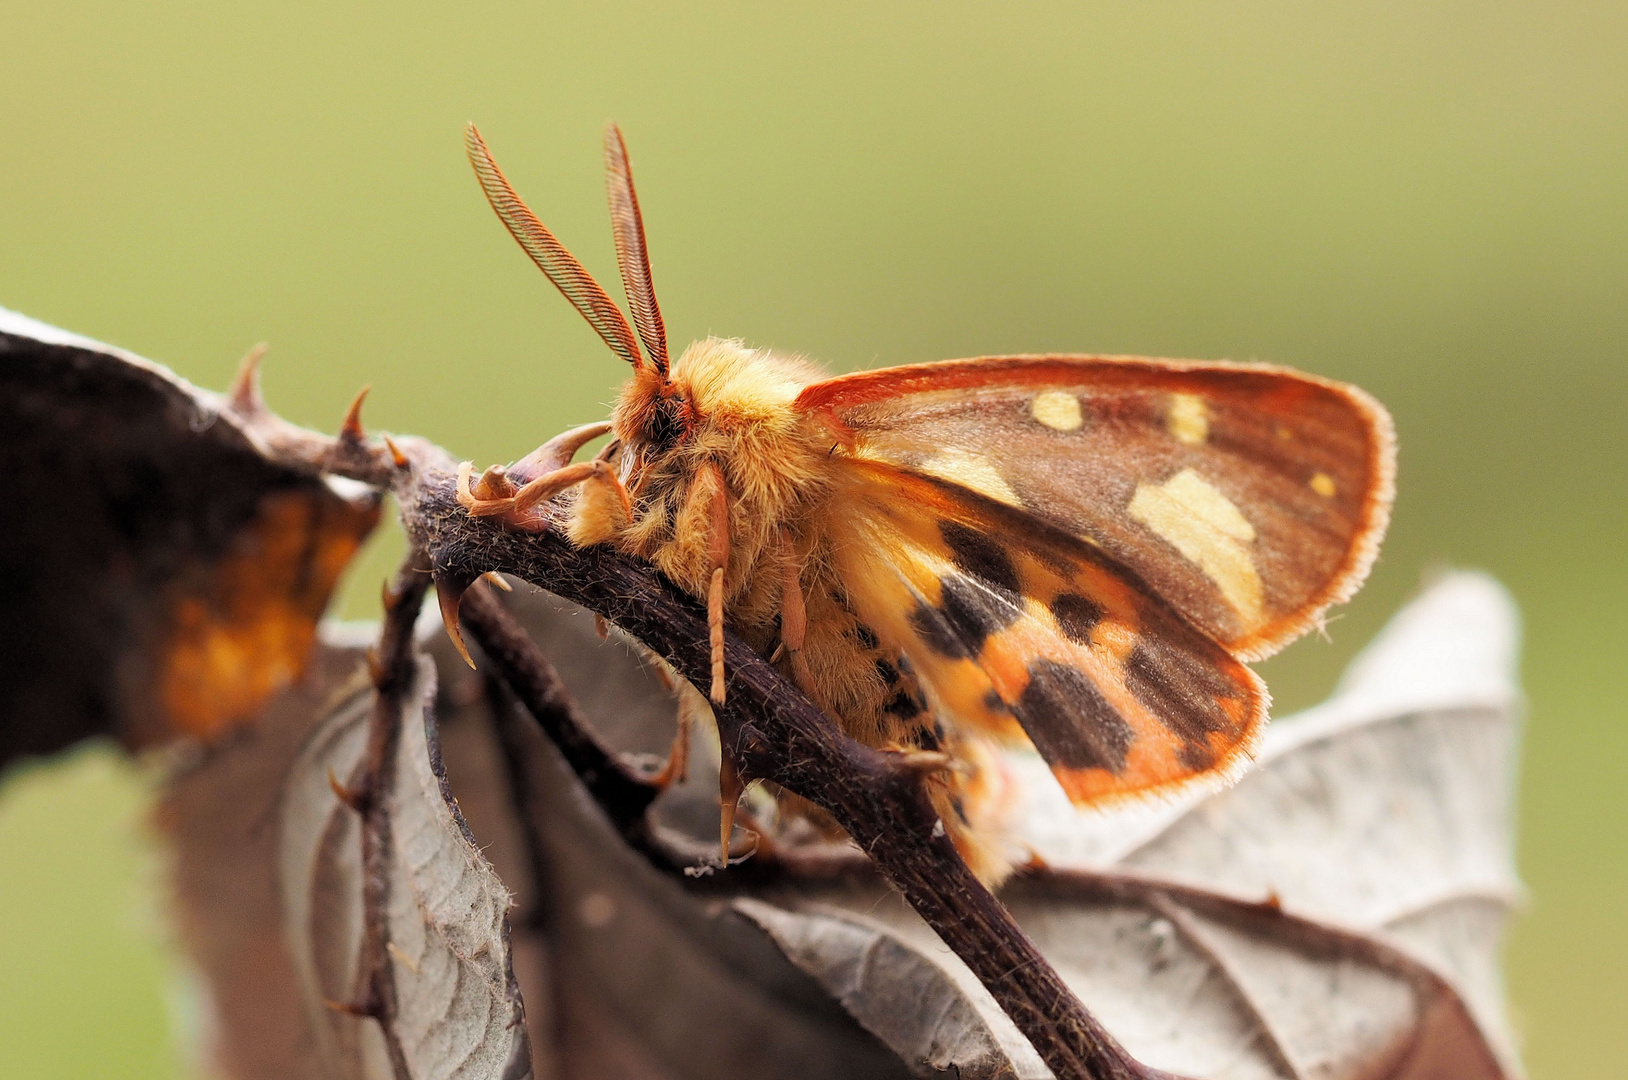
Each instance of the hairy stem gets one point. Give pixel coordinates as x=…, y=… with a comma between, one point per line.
x=393, y=661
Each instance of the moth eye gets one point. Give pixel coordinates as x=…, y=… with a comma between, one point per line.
x=1189, y=419
x=1057, y=410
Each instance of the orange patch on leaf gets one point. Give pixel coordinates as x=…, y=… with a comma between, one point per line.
x=243, y=629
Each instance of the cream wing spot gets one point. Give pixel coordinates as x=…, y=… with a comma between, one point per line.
x=1323, y=484
x=1188, y=419
x=1057, y=410
x=971, y=471
x=1190, y=514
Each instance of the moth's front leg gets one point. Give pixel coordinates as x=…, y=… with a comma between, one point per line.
x=541, y=475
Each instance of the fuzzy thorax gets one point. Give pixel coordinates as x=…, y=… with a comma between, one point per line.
x=724, y=407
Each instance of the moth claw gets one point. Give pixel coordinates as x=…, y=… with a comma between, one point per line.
x=496, y=580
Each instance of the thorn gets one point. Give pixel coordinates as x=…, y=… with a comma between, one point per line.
x=730, y=790
x=399, y=458
x=351, y=429
x=388, y=596
x=351, y=798
x=450, y=594
x=375, y=670
x=557, y=452
x=363, y=1010
x=495, y=579
x=245, y=393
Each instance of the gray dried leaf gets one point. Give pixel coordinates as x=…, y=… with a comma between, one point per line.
x=1335, y=914
x=459, y=1014
x=1379, y=821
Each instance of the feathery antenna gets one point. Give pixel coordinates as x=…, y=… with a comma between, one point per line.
x=631, y=253
x=562, y=268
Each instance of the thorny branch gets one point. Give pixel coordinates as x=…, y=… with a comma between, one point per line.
x=393, y=667
x=769, y=729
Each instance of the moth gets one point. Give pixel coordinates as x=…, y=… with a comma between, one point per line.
x=1074, y=552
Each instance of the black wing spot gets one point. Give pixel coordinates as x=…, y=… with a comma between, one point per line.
x=929, y=738
x=1076, y=616
x=1185, y=694
x=932, y=627
x=981, y=557
x=973, y=612
x=1070, y=722
x=967, y=614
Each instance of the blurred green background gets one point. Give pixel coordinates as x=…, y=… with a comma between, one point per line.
x=1429, y=200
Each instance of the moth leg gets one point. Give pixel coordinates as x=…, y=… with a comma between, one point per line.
x=494, y=495
x=543, y=473
x=926, y=762
x=730, y=790
x=676, y=767
x=794, y=625
x=718, y=560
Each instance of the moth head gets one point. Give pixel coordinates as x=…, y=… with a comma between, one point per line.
x=651, y=414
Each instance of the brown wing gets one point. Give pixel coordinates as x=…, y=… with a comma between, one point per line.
x=1013, y=626
x=1249, y=498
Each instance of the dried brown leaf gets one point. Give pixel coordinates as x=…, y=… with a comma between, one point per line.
x=164, y=576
